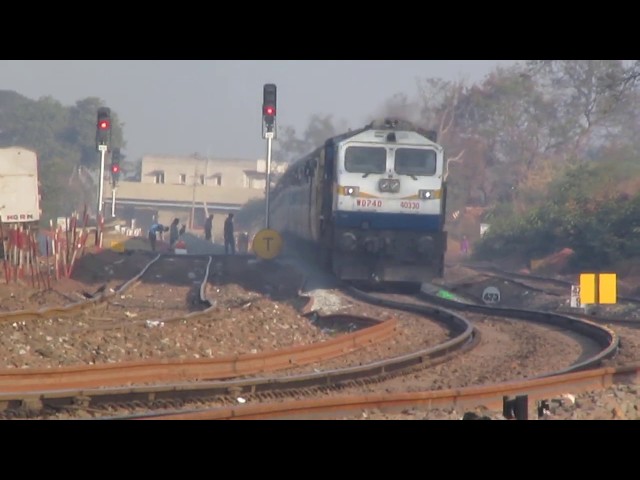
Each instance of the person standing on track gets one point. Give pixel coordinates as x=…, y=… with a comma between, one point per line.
x=173, y=232
x=208, y=228
x=229, y=238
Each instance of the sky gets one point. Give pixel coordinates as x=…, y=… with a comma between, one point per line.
x=213, y=107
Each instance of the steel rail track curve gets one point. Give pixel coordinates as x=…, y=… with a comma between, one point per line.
x=604, y=336
x=490, y=396
x=496, y=272
x=607, y=338
x=466, y=337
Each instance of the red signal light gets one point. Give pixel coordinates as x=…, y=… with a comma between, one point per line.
x=115, y=168
x=269, y=110
x=104, y=124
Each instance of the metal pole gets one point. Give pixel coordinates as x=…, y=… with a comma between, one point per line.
x=113, y=201
x=103, y=150
x=193, y=199
x=269, y=136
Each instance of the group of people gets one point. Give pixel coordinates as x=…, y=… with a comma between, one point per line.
x=229, y=237
x=175, y=233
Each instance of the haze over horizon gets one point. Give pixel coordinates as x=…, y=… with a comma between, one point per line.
x=212, y=107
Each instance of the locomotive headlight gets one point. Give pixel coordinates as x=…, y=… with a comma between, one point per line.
x=352, y=191
x=428, y=194
x=348, y=241
x=391, y=185
x=424, y=244
x=372, y=244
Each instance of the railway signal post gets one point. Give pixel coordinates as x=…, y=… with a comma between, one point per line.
x=103, y=138
x=268, y=181
x=113, y=202
x=103, y=151
x=115, y=176
x=269, y=94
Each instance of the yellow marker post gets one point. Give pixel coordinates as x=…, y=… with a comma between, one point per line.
x=598, y=288
x=117, y=246
x=608, y=292
x=587, y=288
x=267, y=244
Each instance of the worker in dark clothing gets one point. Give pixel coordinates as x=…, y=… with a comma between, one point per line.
x=173, y=232
x=208, y=228
x=229, y=239
x=153, y=232
x=183, y=229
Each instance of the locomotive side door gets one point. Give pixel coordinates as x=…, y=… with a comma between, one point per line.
x=323, y=204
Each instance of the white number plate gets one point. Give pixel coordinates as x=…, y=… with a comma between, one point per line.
x=409, y=205
x=368, y=202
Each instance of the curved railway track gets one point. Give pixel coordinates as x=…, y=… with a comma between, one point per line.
x=107, y=324
x=527, y=279
x=28, y=389
x=32, y=402
x=226, y=392
x=104, y=296
x=606, y=338
x=540, y=284
x=490, y=396
x=278, y=388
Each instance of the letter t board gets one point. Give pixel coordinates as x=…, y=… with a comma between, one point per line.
x=267, y=244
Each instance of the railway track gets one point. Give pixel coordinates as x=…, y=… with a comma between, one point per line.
x=541, y=284
x=300, y=386
x=27, y=392
x=490, y=396
x=94, y=330
x=33, y=402
x=104, y=296
x=526, y=280
x=607, y=339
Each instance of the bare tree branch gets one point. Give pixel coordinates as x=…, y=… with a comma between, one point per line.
x=457, y=158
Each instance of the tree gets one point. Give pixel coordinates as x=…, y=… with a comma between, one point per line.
x=64, y=139
x=590, y=95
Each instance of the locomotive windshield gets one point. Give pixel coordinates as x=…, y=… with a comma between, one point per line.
x=414, y=161
x=365, y=159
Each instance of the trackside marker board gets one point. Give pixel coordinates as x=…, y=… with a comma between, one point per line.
x=598, y=288
x=267, y=244
x=491, y=295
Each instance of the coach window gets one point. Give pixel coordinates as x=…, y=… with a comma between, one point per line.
x=365, y=159
x=414, y=161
